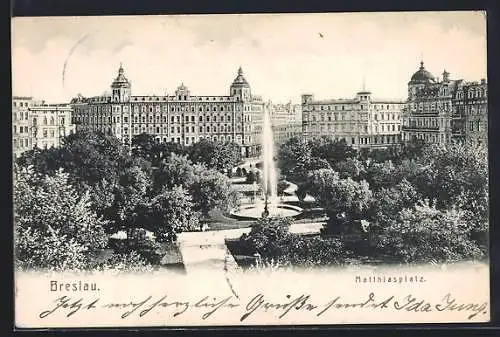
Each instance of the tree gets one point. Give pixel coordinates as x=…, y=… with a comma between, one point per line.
x=91, y=157
x=174, y=170
x=270, y=237
x=55, y=228
x=389, y=202
x=44, y=161
x=211, y=189
x=130, y=193
x=344, y=198
x=169, y=213
x=352, y=167
x=293, y=155
x=146, y=146
x=333, y=151
x=426, y=234
x=384, y=174
x=222, y=156
x=275, y=244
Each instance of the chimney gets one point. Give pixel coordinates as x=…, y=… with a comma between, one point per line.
x=483, y=81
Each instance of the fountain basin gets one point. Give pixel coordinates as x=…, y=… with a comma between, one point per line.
x=254, y=211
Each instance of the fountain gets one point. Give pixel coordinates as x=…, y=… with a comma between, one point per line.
x=271, y=205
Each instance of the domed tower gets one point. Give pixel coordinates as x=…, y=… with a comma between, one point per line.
x=182, y=93
x=240, y=88
x=420, y=79
x=120, y=88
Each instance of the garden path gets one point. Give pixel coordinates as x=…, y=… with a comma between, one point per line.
x=207, y=250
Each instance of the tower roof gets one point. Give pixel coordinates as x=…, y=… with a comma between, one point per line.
x=240, y=79
x=422, y=76
x=120, y=80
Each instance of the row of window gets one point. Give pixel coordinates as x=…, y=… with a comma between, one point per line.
x=178, y=129
x=316, y=107
x=353, y=127
x=16, y=104
x=164, y=98
x=20, y=115
x=173, y=108
x=158, y=119
x=475, y=126
x=427, y=137
x=343, y=116
x=473, y=93
x=187, y=140
x=21, y=143
x=22, y=129
x=45, y=121
x=385, y=139
x=429, y=122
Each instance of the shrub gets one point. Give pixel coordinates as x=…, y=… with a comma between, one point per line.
x=425, y=234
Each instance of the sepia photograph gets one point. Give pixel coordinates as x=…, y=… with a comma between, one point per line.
x=250, y=169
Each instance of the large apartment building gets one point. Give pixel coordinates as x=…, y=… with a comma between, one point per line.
x=36, y=124
x=181, y=117
x=444, y=110
x=286, y=120
x=363, y=122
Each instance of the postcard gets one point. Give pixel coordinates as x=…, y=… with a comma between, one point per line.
x=250, y=169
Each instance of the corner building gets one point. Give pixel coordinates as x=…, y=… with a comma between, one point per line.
x=181, y=118
x=444, y=111
x=362, y=122
x=37, y=124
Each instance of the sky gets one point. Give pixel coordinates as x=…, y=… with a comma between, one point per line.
x=330, y=55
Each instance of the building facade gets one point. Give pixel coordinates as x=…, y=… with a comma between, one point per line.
x=50, y=123
x=286, y=120
x=469, y=119
x=21, y=128
x=182, y=118
x=37, y=124
x=442, y=111
x=362, y=122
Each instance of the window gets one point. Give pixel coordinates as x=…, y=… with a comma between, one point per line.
x=172, y=119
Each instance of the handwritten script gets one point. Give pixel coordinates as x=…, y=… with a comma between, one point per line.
x=209, y=306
